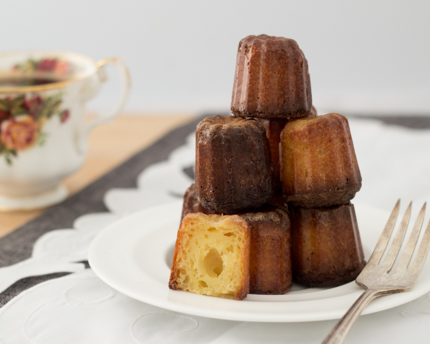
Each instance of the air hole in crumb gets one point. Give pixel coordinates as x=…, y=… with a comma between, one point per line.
x=218, y=270
x=203, y=284
x=230, y=248
x=212, y=229
x=213, y=263
x=229, y=234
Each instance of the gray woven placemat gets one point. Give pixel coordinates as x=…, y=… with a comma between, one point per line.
x=18, y=245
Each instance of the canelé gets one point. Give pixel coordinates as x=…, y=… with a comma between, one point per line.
x=271, y=79
x=270, y=254
x=192, y=204
x=326, y=246
x=234, y=168
x=318, y=163
x=212, y=256
x=274, y=128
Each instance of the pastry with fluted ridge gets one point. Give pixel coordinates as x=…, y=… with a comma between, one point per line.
x=212, y=256
x=234, y=168
x=274, y=128
x=318, y=163
x=271, y=79
x=326, y=246
x=270, y=258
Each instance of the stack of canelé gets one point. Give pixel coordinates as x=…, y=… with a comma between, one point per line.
x=271, y=200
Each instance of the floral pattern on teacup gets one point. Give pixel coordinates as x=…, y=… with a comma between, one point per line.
x=19, y=133
x=22, y=119
x=46, y=65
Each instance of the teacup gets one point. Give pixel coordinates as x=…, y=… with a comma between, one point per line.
x=43, y=137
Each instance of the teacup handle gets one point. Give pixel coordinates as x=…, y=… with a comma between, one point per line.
x=125, y=82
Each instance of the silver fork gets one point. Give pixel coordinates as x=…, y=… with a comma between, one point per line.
x=375, y=278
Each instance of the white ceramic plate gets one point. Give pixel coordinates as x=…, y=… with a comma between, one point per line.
x=134, y=255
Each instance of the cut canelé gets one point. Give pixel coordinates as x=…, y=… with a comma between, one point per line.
x=270, y=252
x=212, y=256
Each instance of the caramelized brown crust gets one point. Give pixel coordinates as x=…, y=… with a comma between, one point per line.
x=326, y=246
x=192, y=204
x=278, y=201
x=270, y=259
x=234, y=278
x=274, y=127
x=271, y=80
x=233, y=164
x=318, y=163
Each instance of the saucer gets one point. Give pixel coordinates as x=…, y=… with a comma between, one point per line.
x=37, y=201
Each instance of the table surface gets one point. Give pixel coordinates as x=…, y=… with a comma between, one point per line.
x=109, y=145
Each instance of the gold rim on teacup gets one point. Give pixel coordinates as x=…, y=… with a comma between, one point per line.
x=55, y=84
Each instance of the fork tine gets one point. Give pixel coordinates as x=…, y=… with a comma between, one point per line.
x=422, y=253
x=398, y=240
x=385, y=236
x=412, y=242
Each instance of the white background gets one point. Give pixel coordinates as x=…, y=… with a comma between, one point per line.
x=363, y=55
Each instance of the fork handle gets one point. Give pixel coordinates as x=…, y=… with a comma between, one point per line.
x=342, y=328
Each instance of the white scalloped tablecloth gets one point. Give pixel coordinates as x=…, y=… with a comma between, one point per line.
x=79, y=308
